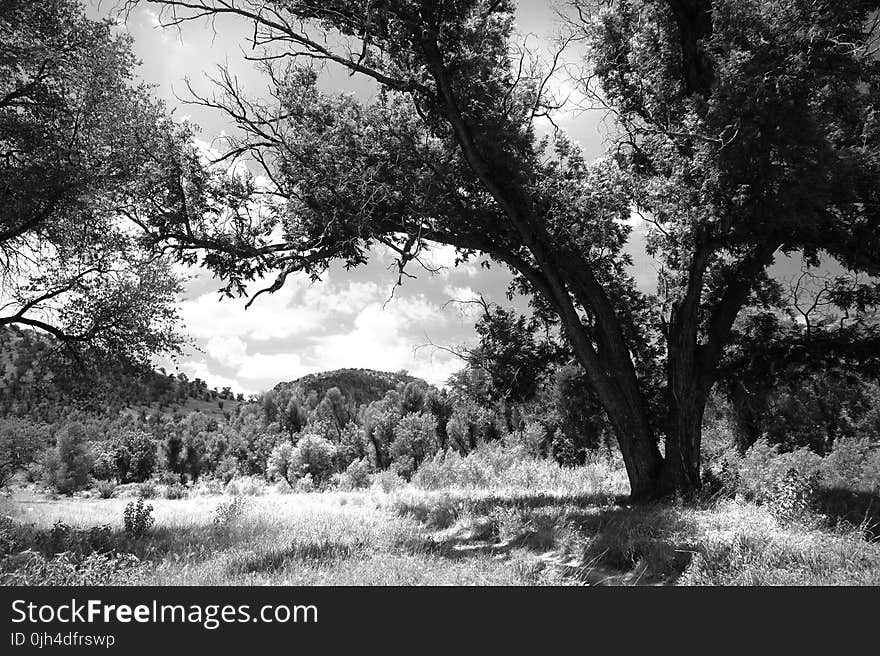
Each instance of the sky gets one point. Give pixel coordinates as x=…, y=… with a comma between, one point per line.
x=349, y=318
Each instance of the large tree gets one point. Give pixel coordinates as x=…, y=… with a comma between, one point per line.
x=746, y=128
x=86, y=154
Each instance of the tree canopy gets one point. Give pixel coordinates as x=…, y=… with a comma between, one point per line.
x=86, y=155
x=746, y=129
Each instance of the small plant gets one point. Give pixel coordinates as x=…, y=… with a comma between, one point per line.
x=388, y=481
x=138, y=518
x=106, y=489
x=175, y=491
x=792, y=497
x=148, y=490
x=228, y=513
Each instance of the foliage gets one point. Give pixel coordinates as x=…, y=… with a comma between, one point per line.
x=87, y=156
x=228, y=513
x=20, y=441
x=106, y=489
x=414, y=439
x=134, y=455
x=138, y=518
x=66, y=468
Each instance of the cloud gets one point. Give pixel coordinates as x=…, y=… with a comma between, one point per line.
x=272, y=316
x=200, y=369
x=385, y=338
x=274, y=367
x=228, y=351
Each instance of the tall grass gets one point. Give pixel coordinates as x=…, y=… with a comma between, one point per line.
x=494, y=516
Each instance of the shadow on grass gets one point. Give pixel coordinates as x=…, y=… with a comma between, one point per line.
x=584, y=536
x=858, y=508
x=273, y=560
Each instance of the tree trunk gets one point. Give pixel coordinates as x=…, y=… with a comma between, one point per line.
x=681, y=463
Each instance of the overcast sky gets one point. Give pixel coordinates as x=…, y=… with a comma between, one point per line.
x=346, y=320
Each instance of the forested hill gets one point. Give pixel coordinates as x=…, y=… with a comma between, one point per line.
x=39, y=380
x=358, y=386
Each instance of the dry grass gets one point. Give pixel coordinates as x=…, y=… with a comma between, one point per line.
x=555, y=530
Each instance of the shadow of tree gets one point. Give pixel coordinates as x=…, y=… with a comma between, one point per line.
x=595, y=544
x=855, y=507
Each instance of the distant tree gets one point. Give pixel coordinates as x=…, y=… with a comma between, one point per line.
x=312, y=455
x=413, y=398
x=20, y=442
x=133, y=455
x=415, y=438
x=334, y=409
x=66, y=468
x=380, y=420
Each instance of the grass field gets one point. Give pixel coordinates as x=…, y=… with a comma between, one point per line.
x=411, y=536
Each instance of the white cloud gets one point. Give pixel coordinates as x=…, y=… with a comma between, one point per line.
x=382, y=338
x=228, y=351
x=274, y=367
x=272, y=316
x=200, y=369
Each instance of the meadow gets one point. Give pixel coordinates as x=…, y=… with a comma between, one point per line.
x=480, y=520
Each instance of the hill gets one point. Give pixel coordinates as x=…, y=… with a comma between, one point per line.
x=40, y=380
x=359, y=386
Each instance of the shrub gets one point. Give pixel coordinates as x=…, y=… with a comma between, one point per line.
x=138, y=518
x=228, y=513
x=148, y=490
x=305, y=484
x=207, y=486
x=106, y=489
x=387, y=481
x=66, y=468
x=792, y=497
x=853, y=464
x=175, y=491
x=31, y=568
x=250, y=486
x=81, y=542
x=763, y=467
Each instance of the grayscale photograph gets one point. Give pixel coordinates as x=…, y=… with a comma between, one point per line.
x=435, y=293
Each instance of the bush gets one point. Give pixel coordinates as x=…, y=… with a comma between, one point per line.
x=228, y=513
x=250, y=486
x=387, y=481
x=148, y=490
x=792, y=497
x=138, y=518
x=763, y=467
x=175, y=491
x=67, y=467
x=852, y=464
x=106, y=489
x=81, y=542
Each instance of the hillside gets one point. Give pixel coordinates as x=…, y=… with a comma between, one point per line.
x=359, y=386
x=39, y=379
